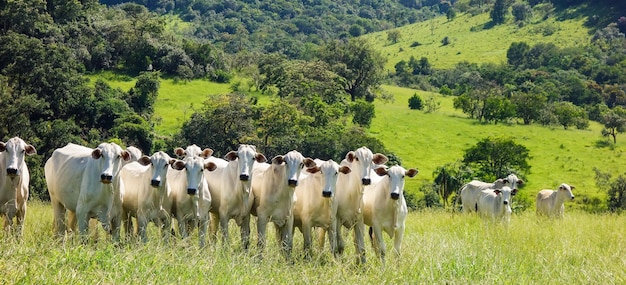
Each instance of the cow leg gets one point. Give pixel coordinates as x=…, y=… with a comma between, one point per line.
x=224, y=229
x=115, y=226
x=378, y=243
x=20, y=216
x=359, y=243
x=332, y=238
x=165, y=225
x=397, y=240
x=287, y=235
x=71, y=221
x=341, y=245
x=306, y=230
x=59, y=219
x=203, y=223
x=182, y=226
x=142, y=225
x=261, y=227
x=213, y=225
x=321, y=237
x=245, y=232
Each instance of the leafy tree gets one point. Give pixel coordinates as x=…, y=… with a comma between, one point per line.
x=614, y=121
x=499, y=11
x=616, y=195
x=497, y=109
x=451, y=14
x=279, y=128
x=521, y=12
x=145, y=92
x=568, y=114
x=497, y=157
x=364, y=112
x=415, y=102
x=394, y=36
x=528, y=106
x=445, y=41
x=449, y=179
x=355, y=30
x=360, y=66
x=516, y=54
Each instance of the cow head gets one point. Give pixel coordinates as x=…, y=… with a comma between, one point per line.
x=396, y=176
x=511, y=181
x=363, y=160
x=294, y=162
x=246, y=155
x=506, y=193
x=193, y=150
x=195, y=167
x=566, y=190
x=160, y=163
x=110, y=157
x=14, y=151
x=135, y=153
x=330, y=170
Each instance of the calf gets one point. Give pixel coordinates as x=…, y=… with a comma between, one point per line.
x=191, y=196
x=471, y=191
x=316, y=205
x=273, y=188
x=14, y=182
x=495, y=204
x=230, y=186
x=384, y=208
x=80, y=180
x=148, y=195
x=551, y=203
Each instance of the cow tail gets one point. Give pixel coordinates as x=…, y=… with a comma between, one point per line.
x=371, y=233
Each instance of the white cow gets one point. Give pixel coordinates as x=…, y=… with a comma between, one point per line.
x=14, y=182
x=495, y=204
x=135, y=154
x=349, y=197
x=316, y=202
x=273, y=188
x=551, y=203
x=384, y=208
x=191, y=196
x=471, y=191
x=80, y=180
x=193, y=150
x=230, y=186
x=148, y=195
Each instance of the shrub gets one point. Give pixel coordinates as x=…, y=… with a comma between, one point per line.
x=416, y=103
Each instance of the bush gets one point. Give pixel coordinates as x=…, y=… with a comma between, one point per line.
x=416, y=103
x=364, y=112
x=415, y=44
x=445, y=41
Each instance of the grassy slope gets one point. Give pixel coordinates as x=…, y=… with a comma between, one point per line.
x=483, y=46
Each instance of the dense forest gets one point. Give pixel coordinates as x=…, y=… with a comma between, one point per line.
x=307, y=53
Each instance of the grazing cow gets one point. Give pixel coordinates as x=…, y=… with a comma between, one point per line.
x=273, y=188
x=191, y=196
x=495, y=204
x=349, y=197
x=230, y=186
x=80, y=179
x=14, y=182
x=148, y=195
x=384, y=208
x=471, y=191
x=316, y=202
x=551, y=203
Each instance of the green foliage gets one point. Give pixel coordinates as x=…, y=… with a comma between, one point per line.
x=394, y=36
x=522, y=12
x=614, y=121
x=145, y=92
x=497, y=157
x=499, y=11
x=568, y=114
x=416, y=103
x=449, y=178
x=363, y=112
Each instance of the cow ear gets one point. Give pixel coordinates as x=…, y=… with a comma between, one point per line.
x=3, y=146
x=520, y=182
x=178, y=164
x=96, y=153
x=411, y=172
x=171, y=162
x=350, y=156
x=231, y=155
x=260, y=158
x=309, y=163
x=125, y=155
x=314, y=169
x=513, y=192
x=179, y=151
x=381, y=171
x=30, y=150
x=210, y=166
x=144, y=160
x=572, y=187
x=497, y=191
x=278, y=159
x=345, y=169
x=380, y=159
x=206, y=153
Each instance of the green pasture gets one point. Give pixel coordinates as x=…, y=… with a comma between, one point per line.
x=472, y=39
x=438, y=248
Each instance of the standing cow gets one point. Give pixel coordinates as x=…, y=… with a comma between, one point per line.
x=316, y=205
x=148, y=195
x=495, y=204
x=551, y=203
x=471, y=191
x=80, y=179
x=230, y=186
x=273, y=188
x=14, y=182
x=349, y=197
x=191, y=196
x=385, y=209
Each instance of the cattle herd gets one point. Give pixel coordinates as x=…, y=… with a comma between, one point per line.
x=198, y=190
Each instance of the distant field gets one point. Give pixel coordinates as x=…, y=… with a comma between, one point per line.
x=484, y=45
x=438, y=248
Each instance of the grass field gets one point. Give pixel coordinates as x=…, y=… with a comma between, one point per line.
x=438, y=248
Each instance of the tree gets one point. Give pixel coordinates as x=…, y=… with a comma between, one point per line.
x=499, y=11
x=449, y=178
x=360, y=66
x=528, y=106
x=521, y=12
x=363, y=112
x=415, y=102
x=568, y=114
x=394, y=36
x=614, y=121
x=451, y=14
x=497, y=157
x=145, y=92
x=516, y=54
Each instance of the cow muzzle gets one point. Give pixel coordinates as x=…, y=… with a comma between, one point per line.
x=292, y=182
x=327, y=194
x=366, y=181
x=192, y=191
x=12, y=172
x=106, y=179
x=155, y=182
x=506, y=202
x=572, y=198
x=244, y=177
x=395, y=196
